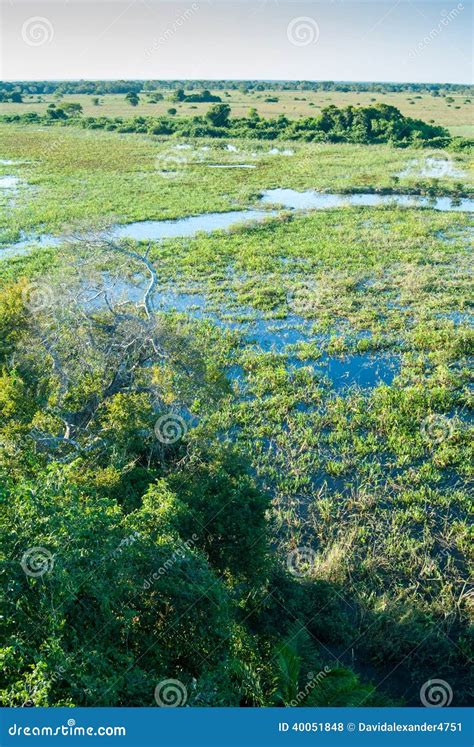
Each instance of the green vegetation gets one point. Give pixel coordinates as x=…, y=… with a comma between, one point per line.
x=153, y=549
x=301, y=535
x=367, y=125
x=132, y=98
x=204, y=96
x=429, y=106
x=103, y=87
x=74, y=176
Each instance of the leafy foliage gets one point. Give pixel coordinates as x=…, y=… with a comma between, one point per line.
x=167, y=556
x=152, y=552
x=372, y=124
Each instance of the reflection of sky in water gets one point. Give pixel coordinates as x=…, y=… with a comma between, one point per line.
x=155, y=230
x=268, y=335
x=363, y=370
x=231, y=165
x=366, y=371
x=167, y=229
x=9, y=182
x=458, y=317
x=310, y=200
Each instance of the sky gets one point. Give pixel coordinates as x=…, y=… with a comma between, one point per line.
x=352, y=40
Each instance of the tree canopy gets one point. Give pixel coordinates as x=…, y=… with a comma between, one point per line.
x=380, y=123
x=134, y=555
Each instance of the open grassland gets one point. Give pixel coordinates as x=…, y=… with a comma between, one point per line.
x=454, y=111
x=334, y=352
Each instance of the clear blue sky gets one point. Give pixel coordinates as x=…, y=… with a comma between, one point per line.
x=395, y=40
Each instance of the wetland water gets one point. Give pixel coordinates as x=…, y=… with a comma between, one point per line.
x=279, y=336
x=149, y=230
x=311, y=200
x=289, y=199
x=365, y=371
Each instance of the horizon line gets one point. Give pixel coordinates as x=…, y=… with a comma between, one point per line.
x=235, y=80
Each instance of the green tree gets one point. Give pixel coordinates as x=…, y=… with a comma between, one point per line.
x=178, y=95
x=54, y=112
x=132, y=98
x=90, y=594
x=218, y=115
x=217, y=505
x=72, y=108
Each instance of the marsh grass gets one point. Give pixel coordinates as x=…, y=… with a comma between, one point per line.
x=351, y=470
x=74, y=176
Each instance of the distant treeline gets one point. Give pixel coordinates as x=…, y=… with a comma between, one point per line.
x=102, y=87
x=370, y=124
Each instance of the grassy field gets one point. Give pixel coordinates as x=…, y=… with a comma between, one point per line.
x=69, y=176
x=346, y=338
x=457, y=116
